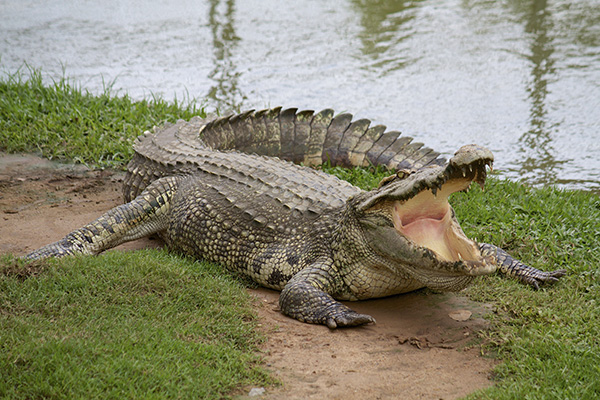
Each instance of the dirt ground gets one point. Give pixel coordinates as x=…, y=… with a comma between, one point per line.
x=422, y=346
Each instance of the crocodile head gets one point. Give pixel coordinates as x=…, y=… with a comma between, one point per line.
x=409, y=225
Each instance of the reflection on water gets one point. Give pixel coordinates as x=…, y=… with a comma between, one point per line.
x=384, y=28
x=225, y=91
x=537, y=143
x=521, y=77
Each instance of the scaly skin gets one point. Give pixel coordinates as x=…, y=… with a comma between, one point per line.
x=314, y=237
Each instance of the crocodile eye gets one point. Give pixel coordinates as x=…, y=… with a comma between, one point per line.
x=399, y=175
x=404, y=173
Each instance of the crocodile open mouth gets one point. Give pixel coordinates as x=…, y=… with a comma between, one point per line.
x=417, y=203
x=428, y=221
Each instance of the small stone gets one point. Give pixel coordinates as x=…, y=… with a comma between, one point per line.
x=460, y=315
x=256, y=392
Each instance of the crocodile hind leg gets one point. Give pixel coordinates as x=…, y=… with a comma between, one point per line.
x=143, y=216
x=305, y=299
x=516, y=269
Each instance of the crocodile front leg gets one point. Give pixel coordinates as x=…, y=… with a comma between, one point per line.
x=143, y=216
x=305, y=298
x=516, y=269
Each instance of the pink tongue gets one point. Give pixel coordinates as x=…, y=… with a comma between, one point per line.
x=427, y=232
x=424, y=230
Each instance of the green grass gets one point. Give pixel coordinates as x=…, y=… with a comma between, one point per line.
x=125, y=325
x=64, y=122
x=549, y=340
x=148, y=332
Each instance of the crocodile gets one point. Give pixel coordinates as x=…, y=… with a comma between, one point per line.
x=230, y=190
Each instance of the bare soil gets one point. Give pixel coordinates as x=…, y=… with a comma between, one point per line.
x=423, y=345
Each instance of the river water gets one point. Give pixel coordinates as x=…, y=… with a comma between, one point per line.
x=520, y=77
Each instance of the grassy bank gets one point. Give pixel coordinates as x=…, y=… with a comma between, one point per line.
x=125, y=325
x=61, y=121
x=548, y=339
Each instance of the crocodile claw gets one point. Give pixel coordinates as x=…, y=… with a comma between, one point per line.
x=350, y=318
x=301, y=300
x=546, y=277
x=518, y=270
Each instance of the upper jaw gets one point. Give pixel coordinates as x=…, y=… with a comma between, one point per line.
x=471, y=161
x=468, y=165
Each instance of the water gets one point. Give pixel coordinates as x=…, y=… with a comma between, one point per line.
x=520, y=77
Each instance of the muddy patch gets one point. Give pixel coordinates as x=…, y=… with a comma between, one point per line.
x=422, y=347
x=415, y=351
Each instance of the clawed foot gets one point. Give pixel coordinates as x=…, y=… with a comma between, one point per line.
x=303, y=301
x=543, y=277
x=348, y=318
x=516, y=269
x=62, y=248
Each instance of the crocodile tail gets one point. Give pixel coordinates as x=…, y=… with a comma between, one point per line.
x=314, y=138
